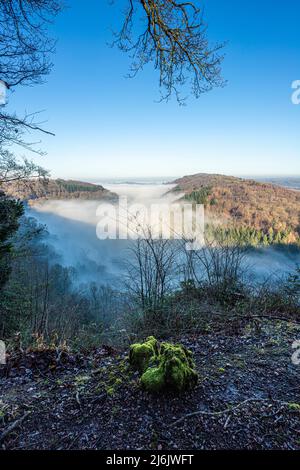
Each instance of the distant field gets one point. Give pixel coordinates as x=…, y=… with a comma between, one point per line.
x=292, y=182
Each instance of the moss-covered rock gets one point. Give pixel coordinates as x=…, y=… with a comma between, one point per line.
x=142, y=354
x=169, y=367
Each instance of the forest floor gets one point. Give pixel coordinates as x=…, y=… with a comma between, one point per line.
x=248, y=397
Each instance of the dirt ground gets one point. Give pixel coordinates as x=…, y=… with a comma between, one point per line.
x=248, y=397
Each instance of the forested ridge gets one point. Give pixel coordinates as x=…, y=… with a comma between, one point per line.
x=47, y=189
x=258, y=213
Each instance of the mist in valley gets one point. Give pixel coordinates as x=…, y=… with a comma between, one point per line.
x=71, y=227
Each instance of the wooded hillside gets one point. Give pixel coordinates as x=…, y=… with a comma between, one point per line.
x=245, y=203
x=32, y=190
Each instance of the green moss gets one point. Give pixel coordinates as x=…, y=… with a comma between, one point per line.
x=81, y=380
x=123, y=366
x=294, y=406
x=169, y=367
x=153, y=379
x=112, y=376
x=178, y=366
x=141, y=354
x=110, y=391
x=115, y=410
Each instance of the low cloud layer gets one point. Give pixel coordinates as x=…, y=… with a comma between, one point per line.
x=72, y=233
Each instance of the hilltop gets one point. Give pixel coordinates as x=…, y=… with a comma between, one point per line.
x=34, y=190
x=267, y=208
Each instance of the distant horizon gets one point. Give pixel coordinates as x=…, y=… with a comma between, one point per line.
x=168, y=177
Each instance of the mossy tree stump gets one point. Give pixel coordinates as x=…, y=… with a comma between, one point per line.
x=163, y=366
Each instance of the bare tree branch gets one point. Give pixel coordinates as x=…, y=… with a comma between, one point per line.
x=174, y=38
x=25, y=52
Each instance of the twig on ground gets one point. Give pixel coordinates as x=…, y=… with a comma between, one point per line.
x=78, y=399
x=13, y=426
x=227, y=410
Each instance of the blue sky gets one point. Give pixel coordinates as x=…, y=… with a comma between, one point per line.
x=107, y=125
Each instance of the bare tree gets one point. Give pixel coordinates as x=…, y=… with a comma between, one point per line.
x=25, y=45
x=151, y=269
x=12, y=169
x=219, y=264
x=14, y=128
x=174, y=39
x=25, y=51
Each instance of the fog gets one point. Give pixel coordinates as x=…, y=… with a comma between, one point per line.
x=272, y=263
x=72, y=233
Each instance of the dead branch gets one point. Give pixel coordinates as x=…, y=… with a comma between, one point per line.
x=227, y=410
x=13, y=426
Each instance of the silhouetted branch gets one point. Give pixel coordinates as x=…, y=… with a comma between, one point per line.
x=25, y=51
x=175, y=40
